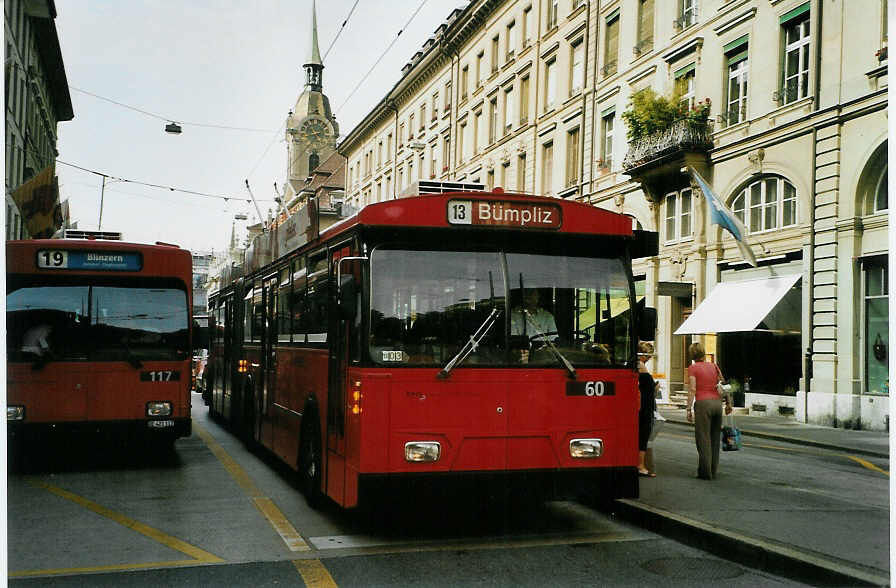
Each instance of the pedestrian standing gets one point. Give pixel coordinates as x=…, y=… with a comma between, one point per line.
x=704, y=409
x=647, y=392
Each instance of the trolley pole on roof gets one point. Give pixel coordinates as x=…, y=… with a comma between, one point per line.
x=258, y=210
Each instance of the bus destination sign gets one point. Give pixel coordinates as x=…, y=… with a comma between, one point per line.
x=520, y=215
x=122, y=261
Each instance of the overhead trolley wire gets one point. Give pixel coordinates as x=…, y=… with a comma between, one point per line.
x=370, y=71
x=159, y=186
x=339, y=32
x=167, y=118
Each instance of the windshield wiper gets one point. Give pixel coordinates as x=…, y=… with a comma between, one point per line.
x=471, y=345
x=543, y=338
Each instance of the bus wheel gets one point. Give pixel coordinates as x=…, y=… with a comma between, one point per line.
x=310, y=464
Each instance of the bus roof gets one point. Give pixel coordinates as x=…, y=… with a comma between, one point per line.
x=488, y=210
x=155, y=260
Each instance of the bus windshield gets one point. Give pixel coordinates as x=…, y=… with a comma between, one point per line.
x=79, y=321
x=426, y=305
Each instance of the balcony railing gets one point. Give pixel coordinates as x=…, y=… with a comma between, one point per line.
x=683, y=135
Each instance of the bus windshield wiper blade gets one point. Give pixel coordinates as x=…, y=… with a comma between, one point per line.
x=543, y=338
x=471, y=345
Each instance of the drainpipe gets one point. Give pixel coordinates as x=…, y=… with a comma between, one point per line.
x=586, y=41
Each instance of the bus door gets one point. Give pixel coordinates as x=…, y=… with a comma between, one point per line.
x=226, y=361
x=341, y=333
x=268, y=359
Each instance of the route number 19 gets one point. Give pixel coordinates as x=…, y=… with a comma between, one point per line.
x=52, y=258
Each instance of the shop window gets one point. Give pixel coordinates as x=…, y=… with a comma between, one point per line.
x=877, y=321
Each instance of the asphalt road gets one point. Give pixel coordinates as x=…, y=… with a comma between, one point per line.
x=211, y=513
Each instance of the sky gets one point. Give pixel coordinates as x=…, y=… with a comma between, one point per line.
x=223, y=63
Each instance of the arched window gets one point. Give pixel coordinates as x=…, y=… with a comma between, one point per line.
x=313, y=160
x=766, y=205
x=880, y=194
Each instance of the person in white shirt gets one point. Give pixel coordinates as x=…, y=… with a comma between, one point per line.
x=532, y=320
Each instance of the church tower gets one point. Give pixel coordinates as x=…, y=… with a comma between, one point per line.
x=311, y=129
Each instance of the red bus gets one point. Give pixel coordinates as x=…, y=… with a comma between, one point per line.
x=98, y=338
x=464, y=336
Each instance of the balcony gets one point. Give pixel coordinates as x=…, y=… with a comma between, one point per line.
x=684, y=136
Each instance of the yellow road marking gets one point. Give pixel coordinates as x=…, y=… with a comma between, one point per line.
x=869, y=465
x=264, y=504
x=110, y=568
x=290, y=536
x=198, y=555
x=314, y=574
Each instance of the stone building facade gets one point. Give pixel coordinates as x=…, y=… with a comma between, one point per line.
x=529, y=95
x=37, y=98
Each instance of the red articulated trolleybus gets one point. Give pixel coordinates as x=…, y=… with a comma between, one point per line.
x=457, y=337
x=98, y=337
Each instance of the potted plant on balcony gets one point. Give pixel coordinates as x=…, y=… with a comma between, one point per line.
x=649, y=113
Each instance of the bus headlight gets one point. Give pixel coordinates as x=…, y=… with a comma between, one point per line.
x=157, y=409
x=422, y=450
x=586, y=448
x=15, y=413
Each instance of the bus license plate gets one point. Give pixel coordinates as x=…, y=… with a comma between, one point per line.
x=592, y=388
x=160, y=424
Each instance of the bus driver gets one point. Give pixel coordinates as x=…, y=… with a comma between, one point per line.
x=532, y=321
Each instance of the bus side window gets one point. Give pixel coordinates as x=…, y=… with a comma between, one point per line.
x=297, y=301
x=317, y=298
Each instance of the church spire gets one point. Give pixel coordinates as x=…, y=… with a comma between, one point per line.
x=314, y=67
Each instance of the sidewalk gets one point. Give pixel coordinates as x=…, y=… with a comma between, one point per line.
x=833, y=537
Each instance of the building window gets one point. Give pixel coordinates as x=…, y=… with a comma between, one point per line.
x=492, y=120
x=526, y=33
x=479, y=72
x=767, y=204
x=577, y=67
x=521, y=173
x=550, y=86
x=490, y=180
x=679, y=212
x=422, y=117
x=411, y=127
x=685, y=81
x=503, y=179
x=606, y=140
x=572, y=157
x=464, y=81
x=524, y=100
x=446, y=149
x=510, y=40
x=611, y=45
x=477, y=124
x=796, y=56
x=551, y=17
x=435, y=106
x=738, y=71
x=547, y=168
x=447, y=103
x=508, y=109
x=461, y=131
x=877, y=321
x=880, y=194
x=645, y=27
x=687, y=14
x=495, y=45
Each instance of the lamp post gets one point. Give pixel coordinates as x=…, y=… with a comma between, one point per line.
x=99, y=226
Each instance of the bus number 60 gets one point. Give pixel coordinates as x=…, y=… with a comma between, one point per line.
x=594, y=388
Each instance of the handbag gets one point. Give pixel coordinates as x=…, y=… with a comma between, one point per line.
x=656, y=426
x=722, y=388
x=730, y=436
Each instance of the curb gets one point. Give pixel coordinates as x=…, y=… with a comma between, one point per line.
x=760, y=554
x=810, y=443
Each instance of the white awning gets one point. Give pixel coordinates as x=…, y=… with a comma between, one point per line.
x=742, y=306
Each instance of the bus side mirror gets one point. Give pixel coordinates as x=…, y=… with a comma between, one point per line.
x=348, y=298
x=647, y=324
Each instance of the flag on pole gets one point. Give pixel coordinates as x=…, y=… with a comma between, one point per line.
x=719, y=214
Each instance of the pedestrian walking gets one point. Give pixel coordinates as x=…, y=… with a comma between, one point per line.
x=647, y=392
x=704, y=409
